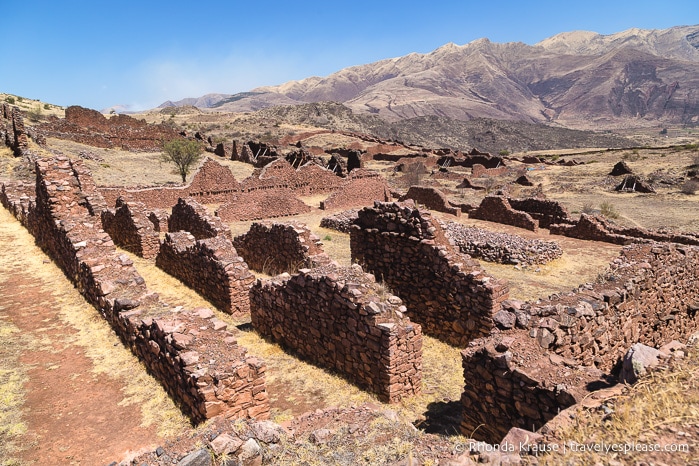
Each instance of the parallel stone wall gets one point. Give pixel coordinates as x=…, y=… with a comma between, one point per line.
x=279, y=247
x=548, y=355
x=595, y=228
x=12, y=131
x=261, y=204
x=334, y=318
x=169, y=342
x=498, y=209
x=432, y=198
x=130, y=229
x=188, y=215
x=362, y=188
x=446, y=292
x=211, y=267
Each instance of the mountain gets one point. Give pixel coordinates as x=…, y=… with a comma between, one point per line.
x=576, y=79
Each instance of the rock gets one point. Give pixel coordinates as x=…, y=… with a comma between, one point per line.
x=504, y=319
x=249, y=452
x=320, y=436
x=267, y=431
x=196, y=458
x=519, y=439
x=637, y=361
x=224, y=444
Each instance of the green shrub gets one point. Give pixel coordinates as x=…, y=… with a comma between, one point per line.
x=608, y=210
x=9, y=99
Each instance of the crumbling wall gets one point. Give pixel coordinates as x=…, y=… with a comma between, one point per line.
x=279, y=247
x=479, y=171
x=548, y=355
x=432, y=198
x=340, y=221
x=502, y=247
x=594, y=228
x=498, y=209
x=130, y=229
x=446, y=292
x=260, y=204
x=213, y=183
x=188, y=215
x=169, y=342
x=544, y=211
x=361, y=188
x=334, y=318
x=211, y=267
x=12, y=131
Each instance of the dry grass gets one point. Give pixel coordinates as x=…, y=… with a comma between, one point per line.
x=92, y=333
x=662, y=408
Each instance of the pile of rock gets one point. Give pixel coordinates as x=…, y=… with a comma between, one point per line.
x=502, y=247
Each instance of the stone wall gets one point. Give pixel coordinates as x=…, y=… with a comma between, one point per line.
x=501, y=247
x=188, y=215
x=340, y=221
x=563, y=347
x=432, y=198
x=446, y=292
x=211, y=267
x=595, y=228
x=279, y=247
x=130, y=229
x=12, y=131
x=336, y=318
x=361, y=188
x=260, y=204
x=545, y=211
x=170, y=342
x=479, y=171
x=498, y=209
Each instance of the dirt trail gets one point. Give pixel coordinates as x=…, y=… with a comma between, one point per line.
x=73, y=414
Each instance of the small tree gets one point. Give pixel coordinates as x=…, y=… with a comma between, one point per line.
x=183, y=153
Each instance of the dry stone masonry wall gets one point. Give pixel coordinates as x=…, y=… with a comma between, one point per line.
x=432, y=198
x=545, y=211
x=337, y=318
x=130, y=229
x=278, y=247
x=191, y=353
x=549, y=355
x=12, y=131
x=502, y=247
x=362, y=188
x=188, y=215
x=260, y=204
x=341, y=221
x=498, y=209
x=446, y=292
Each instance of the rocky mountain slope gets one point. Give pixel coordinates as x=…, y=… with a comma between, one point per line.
x=576, y=79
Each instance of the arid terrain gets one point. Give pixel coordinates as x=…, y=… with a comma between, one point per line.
x=73, y=393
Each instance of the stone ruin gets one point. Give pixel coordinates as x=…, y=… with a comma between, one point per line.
x=177, y=346
x=261, y=204
x=340, y=221
x=12, y=131
x=446, y=292
x=633, y=183
x=339, y=318
x=479, y=171
x=211, y=267
x=546, y=356
x=431, y=198
x=90, y=127
x=498, y=209
x=131, y=229
x=188, y=215
x=544, y=211
x=501, y=247
x=596, y=228
x=361, y=188
x=274, y=248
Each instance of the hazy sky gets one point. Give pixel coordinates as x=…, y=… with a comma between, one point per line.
x=142, y=53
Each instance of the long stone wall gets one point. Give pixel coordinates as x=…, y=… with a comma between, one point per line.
x=547, y=356
x=446, y=292
x=498, y=209
x=209, y=266
x=261, y=204
x=596, y=228
x=130, y=229
x=188, y=215
x=169, y=342
x=279, y=247
x=545, y=211
x=336, y=318
x=362, y=188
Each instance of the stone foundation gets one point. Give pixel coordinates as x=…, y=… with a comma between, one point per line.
x=446, y=292
x=278, y=247
x=337, y=318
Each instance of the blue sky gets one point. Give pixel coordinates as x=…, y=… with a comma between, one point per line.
x=97, y=54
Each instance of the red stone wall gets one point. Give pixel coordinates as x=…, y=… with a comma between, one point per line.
x=130, y=229
x=362, y=187
x=260, y=204
x=334, y=318
x=497, y=209
x=188, y=215
x=447, y=293
x=544, y=211
x=432, y=198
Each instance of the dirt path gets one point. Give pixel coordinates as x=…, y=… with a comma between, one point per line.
x=76, y=405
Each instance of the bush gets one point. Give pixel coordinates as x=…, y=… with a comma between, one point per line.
x=9, y=99
x=183, y=153
x=504, y=152
x=47, y=107
x=690, y=187
x=608, y=210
